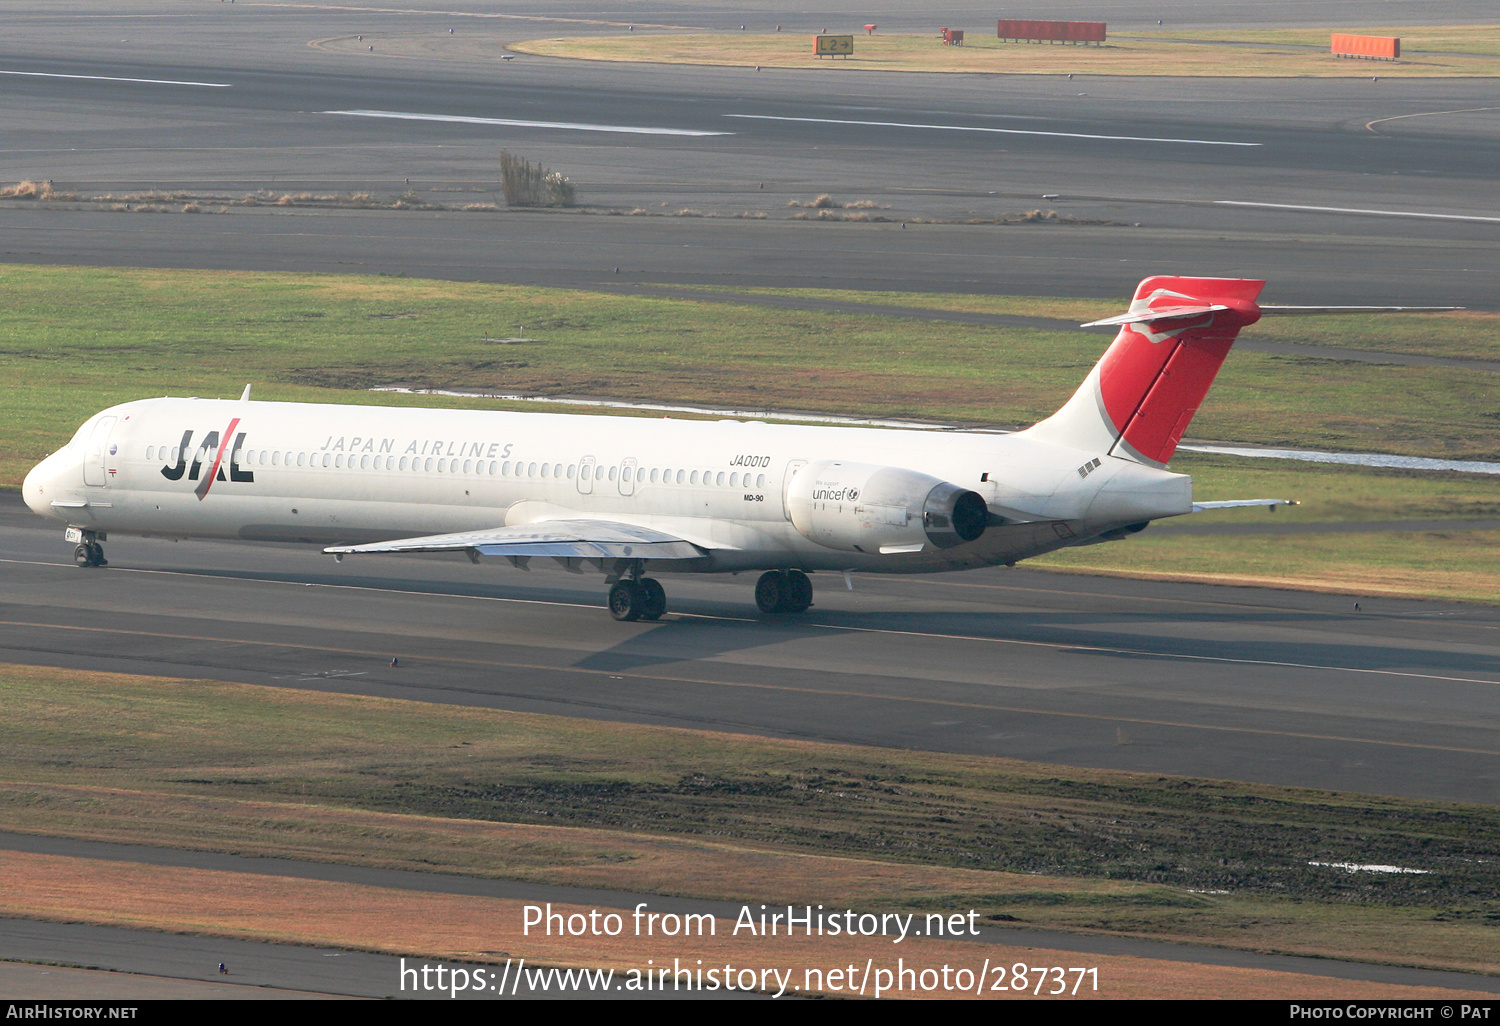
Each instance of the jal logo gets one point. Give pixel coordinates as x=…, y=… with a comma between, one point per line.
x=209, y=452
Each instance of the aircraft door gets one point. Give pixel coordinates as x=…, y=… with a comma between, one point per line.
x=586, y=474
x=627, y=476
x=786, y=484
x=96, y=453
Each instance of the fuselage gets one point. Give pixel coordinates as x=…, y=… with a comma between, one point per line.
x=331, y=474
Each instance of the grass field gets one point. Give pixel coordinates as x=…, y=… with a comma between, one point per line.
x=79, y=339
x=264, y=771
x=985, y=54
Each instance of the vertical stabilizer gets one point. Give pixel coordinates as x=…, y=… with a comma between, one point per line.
x=1137, y=401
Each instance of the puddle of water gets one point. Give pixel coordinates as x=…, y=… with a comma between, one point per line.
x=1355, y=867
x=1357, y=459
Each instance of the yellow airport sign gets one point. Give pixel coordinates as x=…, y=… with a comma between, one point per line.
x=833, y=46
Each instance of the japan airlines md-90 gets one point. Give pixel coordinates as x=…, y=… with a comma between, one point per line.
x=629, y=497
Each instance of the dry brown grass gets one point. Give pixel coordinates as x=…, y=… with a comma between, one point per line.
x=1446, y=565
x=981, y=55
x=27, y=190
x=483, y=929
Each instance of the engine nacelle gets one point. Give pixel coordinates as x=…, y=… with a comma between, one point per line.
x=862, y=507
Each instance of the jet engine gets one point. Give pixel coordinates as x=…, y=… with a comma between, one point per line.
x=861, y=507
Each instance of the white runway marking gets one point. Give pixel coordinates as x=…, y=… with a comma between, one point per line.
x=997, y=131
x=571, y=126
x=1358, y=210
x=109, y=78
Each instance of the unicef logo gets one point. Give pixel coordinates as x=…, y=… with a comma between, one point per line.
x=853, y=494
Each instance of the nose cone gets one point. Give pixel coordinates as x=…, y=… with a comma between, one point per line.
x=38, y=488
x=31, y=490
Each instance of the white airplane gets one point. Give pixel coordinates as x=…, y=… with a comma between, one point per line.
x=630, y=497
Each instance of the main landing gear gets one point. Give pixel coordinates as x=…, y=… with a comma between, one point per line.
x=777, y=591
x=789, y=591
x=643, y=599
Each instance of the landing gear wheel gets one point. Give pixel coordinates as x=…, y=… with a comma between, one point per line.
x=797, y=590
x=84, y=555
x=778, y=592
x=654, y=597
x=97, y=552
x=771, y=592
x=627, y=601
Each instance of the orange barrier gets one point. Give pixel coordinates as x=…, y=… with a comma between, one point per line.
x=833, y=46
x=953, y=37
x=1052, y=31
x=1367, y=47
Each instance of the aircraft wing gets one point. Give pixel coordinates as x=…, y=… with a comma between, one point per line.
x=565, y=539
x=1204, y=507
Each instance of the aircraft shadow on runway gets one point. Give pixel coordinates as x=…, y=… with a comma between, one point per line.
x=688, y=638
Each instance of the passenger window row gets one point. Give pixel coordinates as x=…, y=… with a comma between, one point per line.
x=442, y=465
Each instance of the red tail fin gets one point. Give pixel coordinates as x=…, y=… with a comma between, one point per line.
x=1139, y=398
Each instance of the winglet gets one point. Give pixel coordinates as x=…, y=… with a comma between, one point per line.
x=245, y=395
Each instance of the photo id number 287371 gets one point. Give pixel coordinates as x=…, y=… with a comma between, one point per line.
x=1041, y=980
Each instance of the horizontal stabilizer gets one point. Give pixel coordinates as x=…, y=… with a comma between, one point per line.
x=1206, y=507
x=561, y=539
x=1166, y=313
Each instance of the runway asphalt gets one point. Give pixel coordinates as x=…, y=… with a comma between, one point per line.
x=1245, y=684
x=882, y=138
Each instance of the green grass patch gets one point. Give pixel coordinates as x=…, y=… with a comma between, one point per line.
x=1460, y=334
x=1333, y=493
x=82, y=338
x=206, y=765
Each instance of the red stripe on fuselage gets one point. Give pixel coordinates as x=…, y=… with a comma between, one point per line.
x=208, y=482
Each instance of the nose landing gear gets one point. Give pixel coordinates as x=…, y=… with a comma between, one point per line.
x=89, y=552
x=783, y=592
